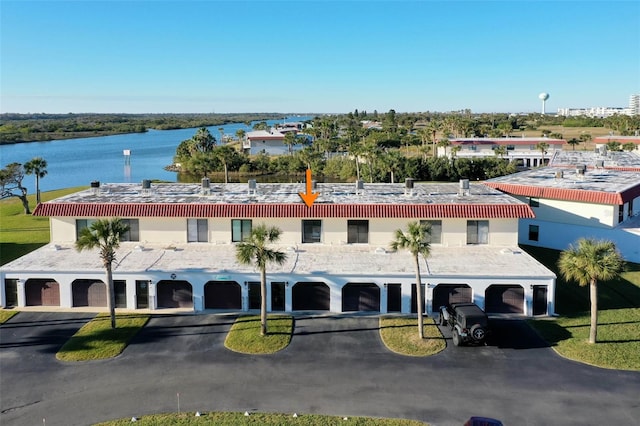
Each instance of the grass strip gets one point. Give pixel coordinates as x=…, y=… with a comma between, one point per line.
x=234, y=419
x=97, y=340
x=400, y=335
x=244, y=335
x=6, y=315
x=618, y=344
x=22, y=233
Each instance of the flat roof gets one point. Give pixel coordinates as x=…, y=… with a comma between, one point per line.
x=303, y=259
x=596, y=185
x=283, y=200
x=622, y=160
x=506, y=141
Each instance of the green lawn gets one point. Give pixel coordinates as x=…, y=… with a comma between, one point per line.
x=97, y=340
x=6, y=315
x=244, y=336
x=21, y=233
x=400, y=335
x=618, y=321
x=234, y=419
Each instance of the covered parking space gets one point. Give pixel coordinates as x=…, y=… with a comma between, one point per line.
x=504, y=298
x=87, y=292
x=222, y=295
x=174, y=294
x=311, y=296
x=360, y=297
x=42, y=292
x=444, y=294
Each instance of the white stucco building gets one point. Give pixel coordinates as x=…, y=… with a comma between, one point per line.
x=582, y=194
x=180, y=250
x=523, y=150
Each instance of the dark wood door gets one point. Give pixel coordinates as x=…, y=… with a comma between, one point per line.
x=540, y=300
x=142, y=294
x=394, y=297
x=277, y=296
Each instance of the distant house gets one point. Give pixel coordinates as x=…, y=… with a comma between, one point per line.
x=265, y=141
x=523, y=151
x=604, y=140
x=582, y=194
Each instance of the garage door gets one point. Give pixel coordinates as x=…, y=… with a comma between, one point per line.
x=222, y=295
x=89, y=293
x=174, y=294
x=504, y=299
x=444, y=294
x=360, y=297
x=42, y=292
x=311, y=296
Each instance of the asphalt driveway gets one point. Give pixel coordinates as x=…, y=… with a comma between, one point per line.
x=334, y=365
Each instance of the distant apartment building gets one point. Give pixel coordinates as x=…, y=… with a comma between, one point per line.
x=524, y=151
x=603, y=112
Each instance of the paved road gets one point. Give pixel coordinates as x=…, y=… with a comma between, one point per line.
x=334, y=365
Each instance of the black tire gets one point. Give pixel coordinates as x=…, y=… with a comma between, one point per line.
x=456, y=337
x=478, y=333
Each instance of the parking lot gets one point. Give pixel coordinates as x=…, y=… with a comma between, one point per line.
x=334, y=365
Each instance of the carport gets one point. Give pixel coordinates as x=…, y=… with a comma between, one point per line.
x=504, y=298
x=42, y=292
x=222, y=295
x=444, y=294
x=311, y=296
x=174, y=294
x=360, y=297
x=89, y=293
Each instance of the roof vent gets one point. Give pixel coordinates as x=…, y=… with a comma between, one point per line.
x=146, y=186
x=464, y=187
x=359, y=187
x=559, y=174
x=314, y=185
x=580, y=169
x=599, y=164
x=408, y=186
x=205, y=186
x=95, y=187
x=253, y=187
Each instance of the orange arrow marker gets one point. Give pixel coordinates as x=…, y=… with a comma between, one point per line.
x=308, y=197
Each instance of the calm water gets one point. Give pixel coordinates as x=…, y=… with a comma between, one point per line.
x=76, y=162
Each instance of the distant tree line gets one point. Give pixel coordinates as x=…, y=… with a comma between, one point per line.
x=16, y=128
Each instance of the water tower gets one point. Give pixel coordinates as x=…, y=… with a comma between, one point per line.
x=543, y=97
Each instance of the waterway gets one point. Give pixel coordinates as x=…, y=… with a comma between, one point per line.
x=77, y=162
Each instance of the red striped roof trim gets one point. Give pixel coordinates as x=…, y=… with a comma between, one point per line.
x=471, y=211
x=595, y=197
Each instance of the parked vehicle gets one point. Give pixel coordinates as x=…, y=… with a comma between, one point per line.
x=468, y=323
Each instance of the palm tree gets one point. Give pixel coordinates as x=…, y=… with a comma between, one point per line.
x=542, y=147
x=500, y=151
x=588, y=262
x=416, y=241
x=254, y=250
x=105, y=234
x=36, y=166
x=225, y=154
x=203, y=140
x=240, y=133
x=221, y=130
x=444, y=143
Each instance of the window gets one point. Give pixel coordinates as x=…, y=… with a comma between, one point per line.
x=81, y=224
x=197, y=230
x=477, y=232
x=620, y=213
x=534, y=232
x=534, y=202
x=311, y=231
x=133, y=234
x=357, y=231
x=240, y=229
x=436, y=231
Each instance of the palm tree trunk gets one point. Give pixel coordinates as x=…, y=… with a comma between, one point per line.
x=111, y=296
x=593, y=295
x=263, y=301
x=419, y=299
x=37, y=189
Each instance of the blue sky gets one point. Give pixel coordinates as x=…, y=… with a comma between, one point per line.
x=316, y=56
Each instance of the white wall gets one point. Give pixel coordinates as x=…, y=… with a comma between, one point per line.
x=575, y=213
